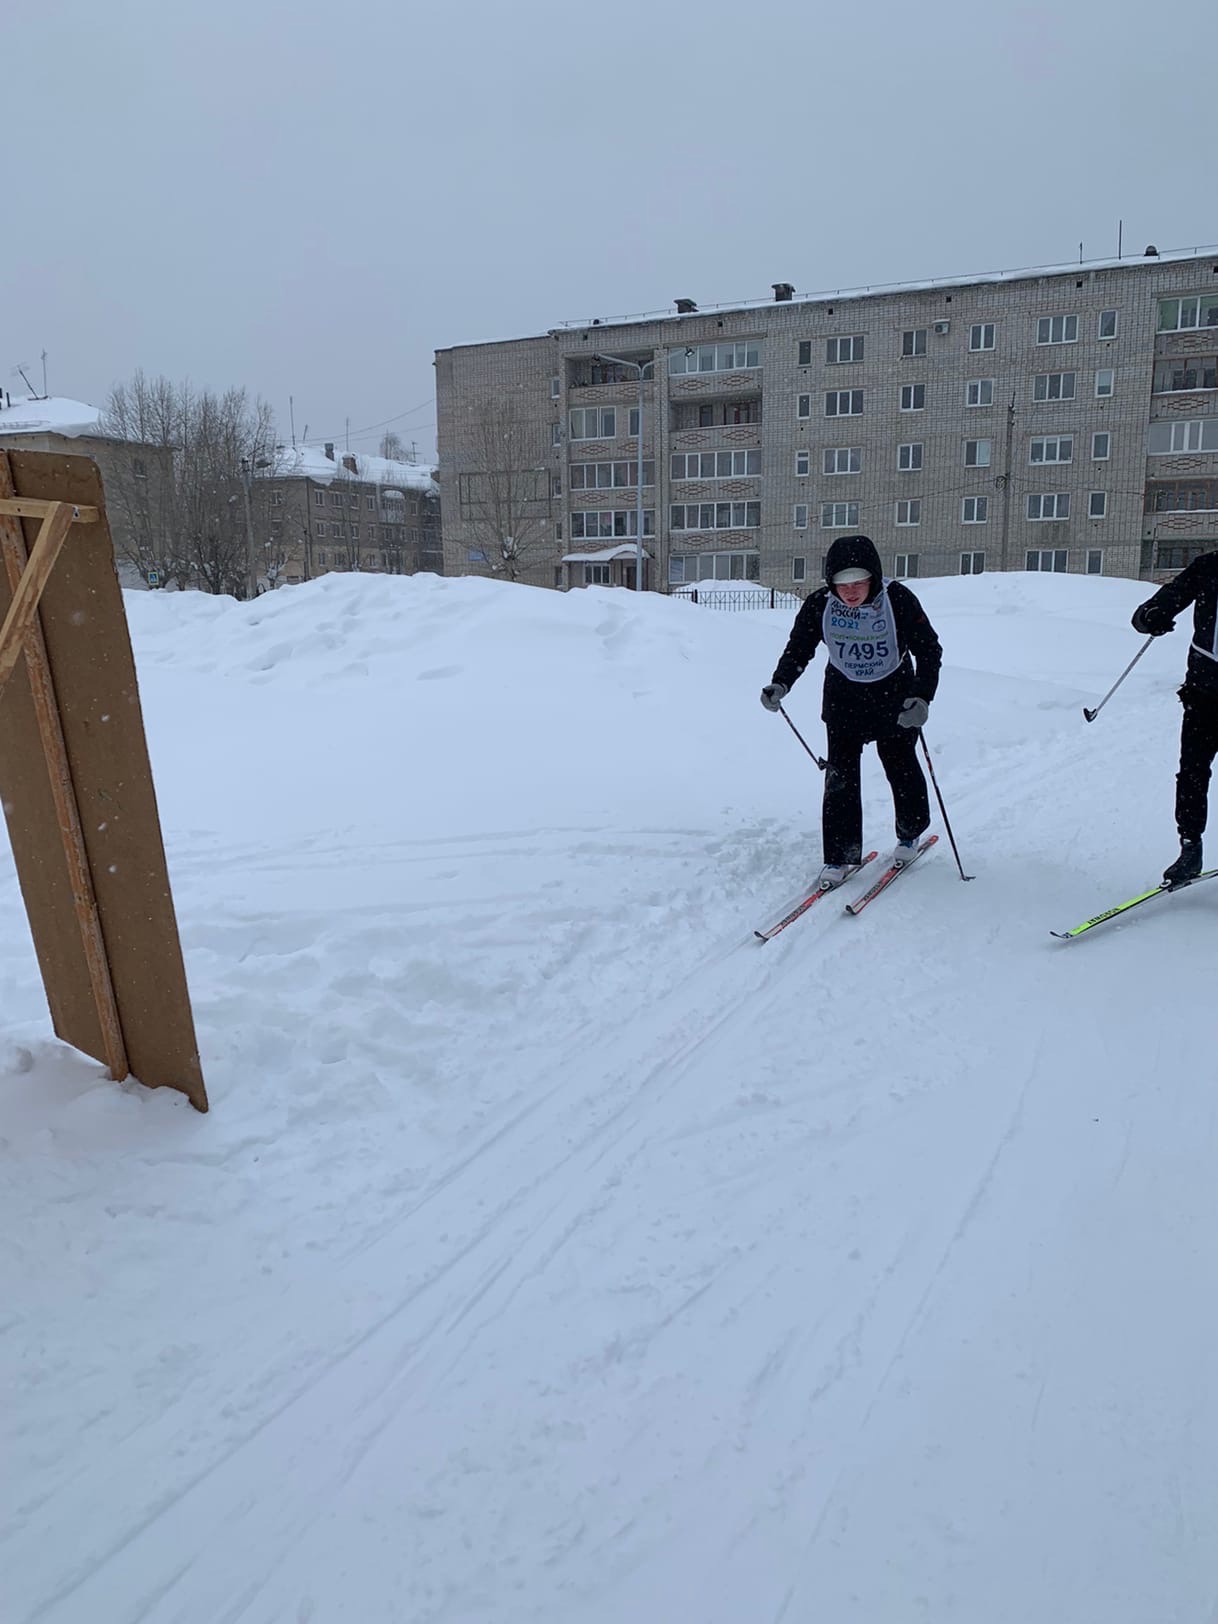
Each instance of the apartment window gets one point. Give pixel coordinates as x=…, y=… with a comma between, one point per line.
x=319, y=528
x=555, y=388
x=1198, y=434
x=593, y=422
x=843, y=459
x=714, y=567
x=1100, y=446
x=355, y=532
x=981, y=336
x=1097, y=505
x=839, y=515
x=1182, y=496
x=1053, y=559
x=555, y=433
x=909, y=512
x=1183, y=315
x=1105, y=380
x=909, y=457
x=905, y=566
x=1053, y=386
x=596, y=575
x=1049, y=505
x=610, y=526
x=1057, y=330
x=1107, y=328
x=805, y=352
x=800, y=516
x=844, y=403
x=319, y=498
x=913, y=397
x=704, y=465
x=913, y=341
x=803, y=406
x=336, y=499
x=977, y=453
x=1095, y=561
x=715, y=358
x=803, y=464
x=1179, y=374
x=799, y=569
x=972, y=563
x=370, y=503
x=840, y=350
x=975, y=510
x=716, y=516
x=979, y=392
x=1052, y=448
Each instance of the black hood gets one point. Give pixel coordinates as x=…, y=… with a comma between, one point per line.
x=854, y=553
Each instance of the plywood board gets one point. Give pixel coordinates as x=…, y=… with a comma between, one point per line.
x=92, y=673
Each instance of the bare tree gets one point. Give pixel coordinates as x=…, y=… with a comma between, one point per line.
x=206, y=521
x=392, y=448
x=504, y=491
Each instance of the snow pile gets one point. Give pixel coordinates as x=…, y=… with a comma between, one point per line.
x=552, y=1252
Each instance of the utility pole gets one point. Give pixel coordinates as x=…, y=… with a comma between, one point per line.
x=1006, y=484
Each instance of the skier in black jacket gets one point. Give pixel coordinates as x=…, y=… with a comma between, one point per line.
x=884, y=661
x=1198, y=584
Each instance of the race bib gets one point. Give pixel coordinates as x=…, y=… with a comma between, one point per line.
x=861, y=643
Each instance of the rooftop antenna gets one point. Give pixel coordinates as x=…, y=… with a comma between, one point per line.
x=44, y=375
x=1080, y=253
x=20, y=373
x=1120, y=235
x=347, y=431
x=292, y=419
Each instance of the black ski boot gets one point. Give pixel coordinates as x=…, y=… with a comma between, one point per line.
x=1186, y=867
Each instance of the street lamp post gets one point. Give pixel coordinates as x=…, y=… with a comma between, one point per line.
x=639, y=368
x=248, y=467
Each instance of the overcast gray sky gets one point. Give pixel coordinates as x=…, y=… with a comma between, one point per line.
x=310, y=198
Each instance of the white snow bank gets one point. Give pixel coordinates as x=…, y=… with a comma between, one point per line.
x=552, y=1252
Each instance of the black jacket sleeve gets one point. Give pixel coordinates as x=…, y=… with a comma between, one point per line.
x=804, y=640
x=1161, y=609
x=919, y=639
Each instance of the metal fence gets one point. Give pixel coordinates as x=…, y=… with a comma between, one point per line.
x=743, y=597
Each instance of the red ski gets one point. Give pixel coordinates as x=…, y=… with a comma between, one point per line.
x=888, y=876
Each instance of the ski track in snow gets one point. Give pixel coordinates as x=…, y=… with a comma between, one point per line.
x=556, y=1252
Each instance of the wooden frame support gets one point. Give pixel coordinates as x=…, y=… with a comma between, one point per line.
x=27, y=578
x=76, y=782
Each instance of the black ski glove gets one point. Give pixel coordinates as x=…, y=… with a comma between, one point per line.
x=1151, y=620
x=913, y=712
x=773, y=694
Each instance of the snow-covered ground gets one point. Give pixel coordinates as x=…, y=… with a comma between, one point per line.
x=555, y=1254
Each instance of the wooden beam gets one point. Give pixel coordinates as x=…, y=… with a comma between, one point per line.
x=28, y=591
x=46, y=708
x=35, y=507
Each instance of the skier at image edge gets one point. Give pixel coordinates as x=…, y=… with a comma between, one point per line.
x=1197, y=584
x=883, y=695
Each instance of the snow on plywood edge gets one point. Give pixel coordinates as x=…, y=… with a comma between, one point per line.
x=55, y=414
x=312, y=462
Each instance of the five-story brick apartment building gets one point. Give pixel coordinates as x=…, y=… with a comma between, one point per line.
x=1060, y=419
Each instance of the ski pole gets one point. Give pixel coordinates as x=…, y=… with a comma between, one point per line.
x=943, y=809
x=817, y=759
x=1090, y=715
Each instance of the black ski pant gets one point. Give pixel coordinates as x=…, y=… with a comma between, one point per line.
x=842, y=809
x=1198, y=746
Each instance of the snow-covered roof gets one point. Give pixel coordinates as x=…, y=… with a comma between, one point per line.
x=311, y=462
x=1128, y=262
x=54, y=415
x=629, y=550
